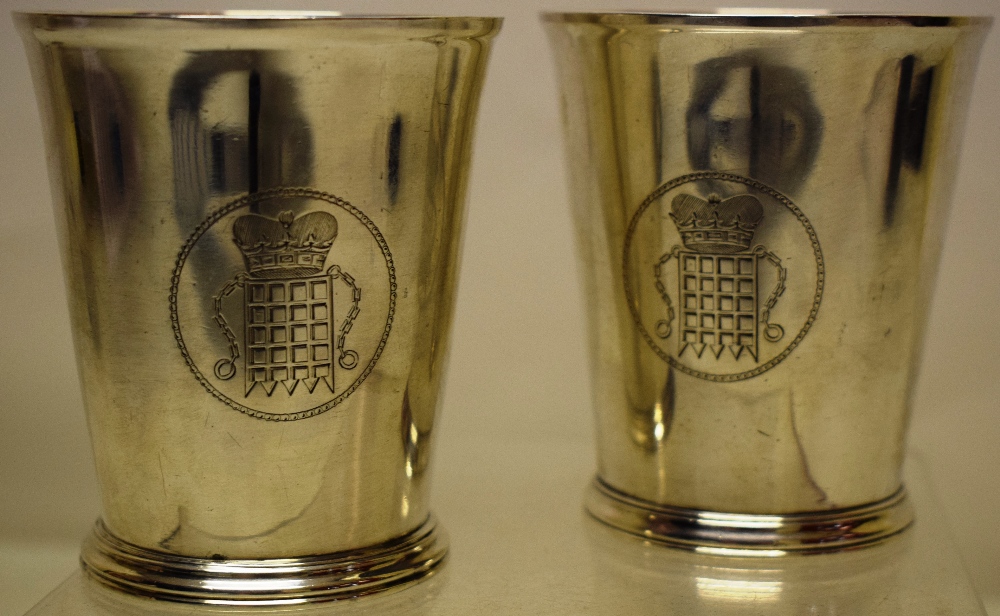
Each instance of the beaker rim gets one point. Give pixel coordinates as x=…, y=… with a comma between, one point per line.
x=764, y=18
x=247, y=15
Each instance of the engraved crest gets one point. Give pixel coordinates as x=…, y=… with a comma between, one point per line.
x=718, y=282
x=285, y=319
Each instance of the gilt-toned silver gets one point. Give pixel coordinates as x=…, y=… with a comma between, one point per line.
x=760, y=203
x=259, y=217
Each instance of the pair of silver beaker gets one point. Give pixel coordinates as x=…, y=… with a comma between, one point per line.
x=260, y=216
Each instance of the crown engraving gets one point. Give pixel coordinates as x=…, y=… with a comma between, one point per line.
x=288, y=247
x=718, y=226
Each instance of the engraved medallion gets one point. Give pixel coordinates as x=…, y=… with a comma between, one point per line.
x=723, y=275
x=288, y=326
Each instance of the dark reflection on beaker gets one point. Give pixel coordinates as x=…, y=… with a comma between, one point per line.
x=107, y=146
x=640, y=577
x=750, y=114
x=913, y=104
x=392, y=157
x=269, y=145
x=236, y=126
x=106, y=151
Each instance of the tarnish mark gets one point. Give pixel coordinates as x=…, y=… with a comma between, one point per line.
x=163, y=477
x=802, y=454
x=192, y=531
x=165, y=544
x=284, y=484
x=260, y=535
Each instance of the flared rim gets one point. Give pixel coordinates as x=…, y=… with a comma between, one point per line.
x=249, y=19
x=245, y=15
x=752, y=18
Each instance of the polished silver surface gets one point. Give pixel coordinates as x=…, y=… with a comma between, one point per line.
x=259, y=216
x=759, y=203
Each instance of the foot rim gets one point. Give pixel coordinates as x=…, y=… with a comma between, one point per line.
x=738, y=534
x=394, y=564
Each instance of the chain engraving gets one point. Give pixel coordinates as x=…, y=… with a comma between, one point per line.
x=663, y=327
x=225, y=369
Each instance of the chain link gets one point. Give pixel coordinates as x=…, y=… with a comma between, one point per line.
x=348, y=358
x=663, y=327
x=772, y=331
x=226, y=368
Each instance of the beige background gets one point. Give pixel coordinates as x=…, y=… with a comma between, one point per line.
x=517, y=368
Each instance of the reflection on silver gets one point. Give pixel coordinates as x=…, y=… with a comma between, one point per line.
x=647, y=577
x=738, y=591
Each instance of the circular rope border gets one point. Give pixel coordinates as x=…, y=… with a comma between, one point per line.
x=633, y=305
x=244, y=201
